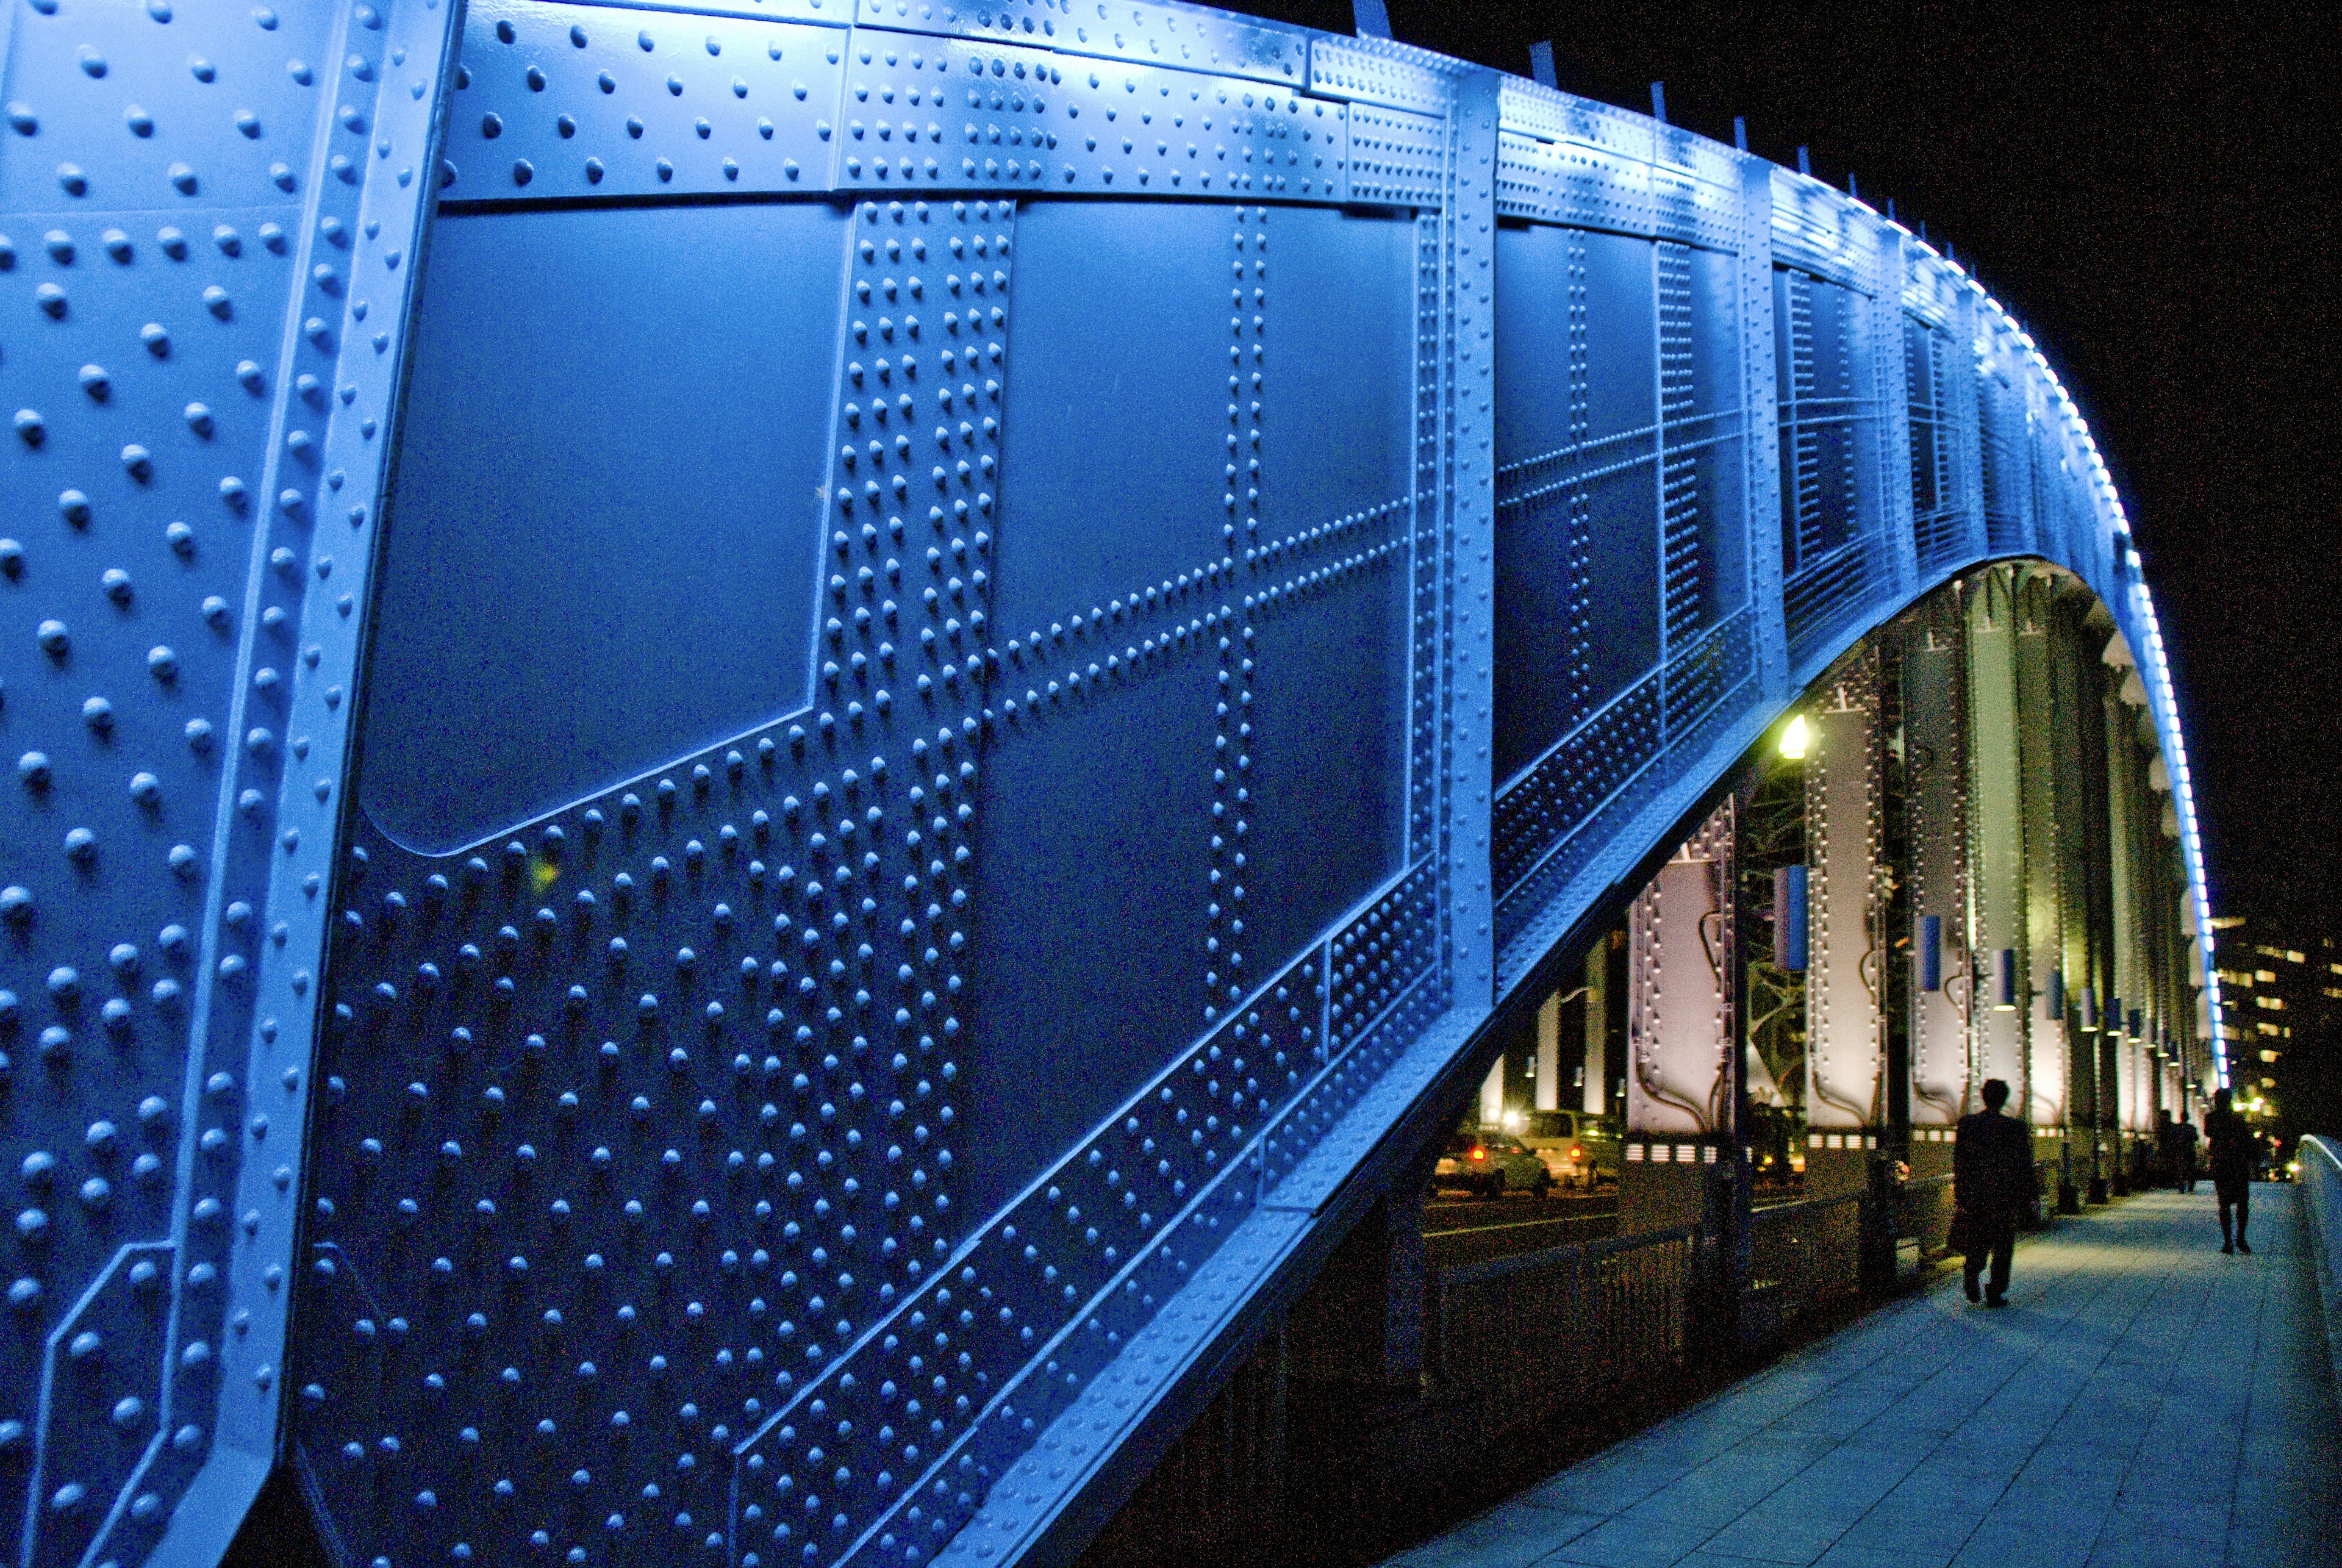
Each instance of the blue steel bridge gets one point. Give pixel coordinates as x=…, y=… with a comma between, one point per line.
x=767, y=753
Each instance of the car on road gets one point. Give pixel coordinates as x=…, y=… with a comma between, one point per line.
x=1491, y=1164
x=1579, y=1148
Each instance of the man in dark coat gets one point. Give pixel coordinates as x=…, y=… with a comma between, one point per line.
x=1992, y=1180
x=2231, y=1159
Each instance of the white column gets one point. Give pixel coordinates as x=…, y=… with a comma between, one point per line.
x=1997, y=830
x=1935, y=761
x=1548, y=1055
x=1845, y=1050
x=1679, y=1010
x=1597, y=1097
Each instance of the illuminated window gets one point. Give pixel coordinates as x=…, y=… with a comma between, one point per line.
x=2293, y=957
x=2264, y=952
x=2268, y=1029
x=2264, y=974
x=2269, y=1056
x=2238, y=977
x=2274, y=1003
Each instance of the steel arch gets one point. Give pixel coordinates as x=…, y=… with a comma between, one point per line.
x=930, y=794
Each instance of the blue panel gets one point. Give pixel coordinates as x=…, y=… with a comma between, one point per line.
x=1577, y=529
x=1094, y=822
x=1338, y=441
x=638, y=1122
x=1716, y=339
x=1703, y=492
x=572, y=535
x=1537, y=304
x=1327, y=816
x=1823, y=407
x=1118, y=434
x=1699, y=378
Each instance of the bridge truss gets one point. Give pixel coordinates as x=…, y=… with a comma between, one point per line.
x=766, y=751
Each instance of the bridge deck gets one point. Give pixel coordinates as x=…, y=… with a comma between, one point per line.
x=2145, y=1400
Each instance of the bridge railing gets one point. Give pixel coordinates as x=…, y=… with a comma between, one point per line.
x=1529, y=1334
x=2320, y=1177
x=1802, y=1256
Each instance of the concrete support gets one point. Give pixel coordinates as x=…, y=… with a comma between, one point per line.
x=2001, y=1047
x=1683, y=1032
x=1934, y=766
x=1548, y=1055
x=1845, y=1042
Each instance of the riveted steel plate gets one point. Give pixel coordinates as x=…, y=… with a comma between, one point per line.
x=631, y=504
x=1377, y=71
x=210, y=215
x=935, y=114
x=926, y=777
x=558, y=101
x=1178, y=37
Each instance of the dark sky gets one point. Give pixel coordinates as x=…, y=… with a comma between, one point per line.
x=2149, y=192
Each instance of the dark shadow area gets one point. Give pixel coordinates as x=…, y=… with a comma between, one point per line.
x=279, y=1531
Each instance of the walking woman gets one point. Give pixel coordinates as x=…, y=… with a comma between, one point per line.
x=2231, y=1159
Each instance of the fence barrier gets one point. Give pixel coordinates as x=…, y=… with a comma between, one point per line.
x=2320, y=1176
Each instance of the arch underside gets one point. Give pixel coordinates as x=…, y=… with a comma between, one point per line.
x=953, y=718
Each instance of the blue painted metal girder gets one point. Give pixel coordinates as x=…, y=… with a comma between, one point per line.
x=211, y=222
x=996, y=636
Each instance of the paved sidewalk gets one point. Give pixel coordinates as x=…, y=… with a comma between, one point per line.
x=2145, y=1399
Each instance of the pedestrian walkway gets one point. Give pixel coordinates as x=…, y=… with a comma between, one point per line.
x=2145, y=1400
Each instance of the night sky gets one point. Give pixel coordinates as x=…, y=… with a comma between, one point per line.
x=2148, y=192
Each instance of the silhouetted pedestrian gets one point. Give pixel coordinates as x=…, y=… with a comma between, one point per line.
x=2231, y=1140
x=1992, y=1179
x=2184, y=1138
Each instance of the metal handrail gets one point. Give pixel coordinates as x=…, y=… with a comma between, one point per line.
x=2321, y=1199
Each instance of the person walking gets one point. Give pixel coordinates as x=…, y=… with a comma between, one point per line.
x=2184, y=1138
x=2230, y=1138
x=1992, y=1179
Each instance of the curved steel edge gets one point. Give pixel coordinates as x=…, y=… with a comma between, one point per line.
x=361, y=436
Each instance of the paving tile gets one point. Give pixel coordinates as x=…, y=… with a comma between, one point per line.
x=1633, y=1544
x=2143, y=1406
x=1846, y=1554
x=1510, y=1535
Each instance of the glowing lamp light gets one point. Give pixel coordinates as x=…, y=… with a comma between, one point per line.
x=1793, y=739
